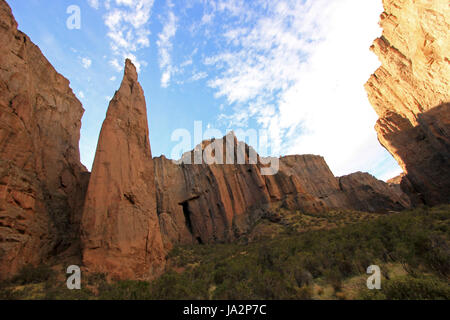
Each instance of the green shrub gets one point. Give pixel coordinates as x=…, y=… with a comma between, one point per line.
x=287, y=266
x=31, y=274
x=303, y=278
x=126, y=290
x=410, y=288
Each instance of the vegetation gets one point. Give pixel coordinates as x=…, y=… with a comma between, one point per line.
x=412, y=249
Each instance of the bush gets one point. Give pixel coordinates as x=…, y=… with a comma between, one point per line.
x=303, y=278
x=410, y=288
x=287, y=266
x=304, y=293
x=126, y=290
x=31, y=274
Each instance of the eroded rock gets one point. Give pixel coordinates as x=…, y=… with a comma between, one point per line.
x=411, y=93
x=42, y=181
x=120, y=228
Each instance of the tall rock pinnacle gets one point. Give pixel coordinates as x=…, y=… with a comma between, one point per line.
x=120, y=228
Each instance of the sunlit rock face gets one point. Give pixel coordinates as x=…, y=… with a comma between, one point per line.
x=120, y=228
x=42, y=181
x=411, y=93
x=200, y=203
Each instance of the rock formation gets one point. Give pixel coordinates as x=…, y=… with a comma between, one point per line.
x=120, y=229
x=42, y=181
x=201, y=203
x=136, y=208
x=411, y=93
x=365, y=193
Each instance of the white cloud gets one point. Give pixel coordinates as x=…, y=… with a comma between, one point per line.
x=86, y=62
x=299, y=71
x=116, y=65
x=94, y=4
x=390, y=173
x=113, y=78
x=199, y=75
x=81, y=94
x=165, y=47
x=186, y=63
x=127, y=23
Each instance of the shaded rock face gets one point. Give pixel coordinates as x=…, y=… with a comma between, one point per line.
x=411, y=93
x=202, y=203
x=120, y=228
x=358, y=191
x=365, y=193
x=42, y=181
x=220, y=203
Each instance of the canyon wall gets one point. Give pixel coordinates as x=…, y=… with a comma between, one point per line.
x=411, y=93
x=42, y=181
x=124, y=217
x=201, y=203
x=209, y=203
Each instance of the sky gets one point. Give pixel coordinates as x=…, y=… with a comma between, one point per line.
x=292, y=68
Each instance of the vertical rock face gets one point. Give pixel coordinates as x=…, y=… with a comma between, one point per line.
x=208, y=203
x=411, y=93
x=316, y=178
x=358, y=191
x=42, y=181
x=120, y=229
x=365, y=193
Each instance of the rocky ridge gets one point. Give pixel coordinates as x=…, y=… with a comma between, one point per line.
x=201, y=203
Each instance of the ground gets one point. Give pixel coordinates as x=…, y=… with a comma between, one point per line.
x=292, y=256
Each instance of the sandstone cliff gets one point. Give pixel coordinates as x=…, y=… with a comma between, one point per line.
x=201, y=203
x=120, y=229
x=411, y=93
x=42, y=181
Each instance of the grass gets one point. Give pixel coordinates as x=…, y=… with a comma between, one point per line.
x=411, y=248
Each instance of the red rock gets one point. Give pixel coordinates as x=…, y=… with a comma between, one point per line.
x=365, y=193
x=220, y=203
x=120, y=228
x=411, y=93
x=42, y=181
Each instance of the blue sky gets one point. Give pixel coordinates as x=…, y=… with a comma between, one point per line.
x=293, y=68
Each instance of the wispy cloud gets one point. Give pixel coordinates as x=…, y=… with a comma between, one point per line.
x=94, y=4
x=86, y=62
x=165, y=47
x=115, y=64
x=199, y=75
x=299, y=71
x=127, y=23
